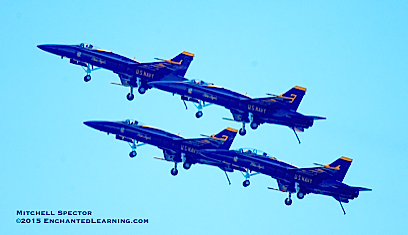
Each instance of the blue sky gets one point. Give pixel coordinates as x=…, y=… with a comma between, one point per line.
x=351, y=56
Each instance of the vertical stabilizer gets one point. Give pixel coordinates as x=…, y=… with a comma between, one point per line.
x=222, y=140
x=341, y=167
x=183, y=60
x=227, y=135
x=295, y=96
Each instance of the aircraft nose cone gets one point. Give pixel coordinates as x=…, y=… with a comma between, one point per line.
x=42, y=47
x=49, y=48
x=94, y=124
x=104, y=126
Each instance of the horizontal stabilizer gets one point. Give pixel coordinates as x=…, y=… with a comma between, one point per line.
x=276, y=189
x=362, y=189
x=338, y=184
x=317, y=117
x=159, y=158
x=115, y=83
x=230, y=119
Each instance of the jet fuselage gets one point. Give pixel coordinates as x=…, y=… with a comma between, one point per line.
x=288, y=176
x=175, y=148
x=127, y=69
x=240, y=105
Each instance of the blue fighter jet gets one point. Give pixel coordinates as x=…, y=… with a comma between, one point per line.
x=325, y=179
x=278, y=109
x=175, y=148
x=132, y=73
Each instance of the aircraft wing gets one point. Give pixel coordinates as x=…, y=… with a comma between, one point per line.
x=220, y=164
x=221, y=140
x=267, y=101
x=262, y=161
x=314, y=171
x=173, y=78
x=201, y=142
x=223, y=165
x=154, y=66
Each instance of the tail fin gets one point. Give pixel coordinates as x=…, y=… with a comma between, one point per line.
x=227, y=135
x=222, y=140
x=294, y=96
x=341, y=166
x=183, y=60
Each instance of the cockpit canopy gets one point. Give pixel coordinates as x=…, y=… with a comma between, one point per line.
x=86, y=45
x=200, y=82
x=131, y=122
x=254, y=151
